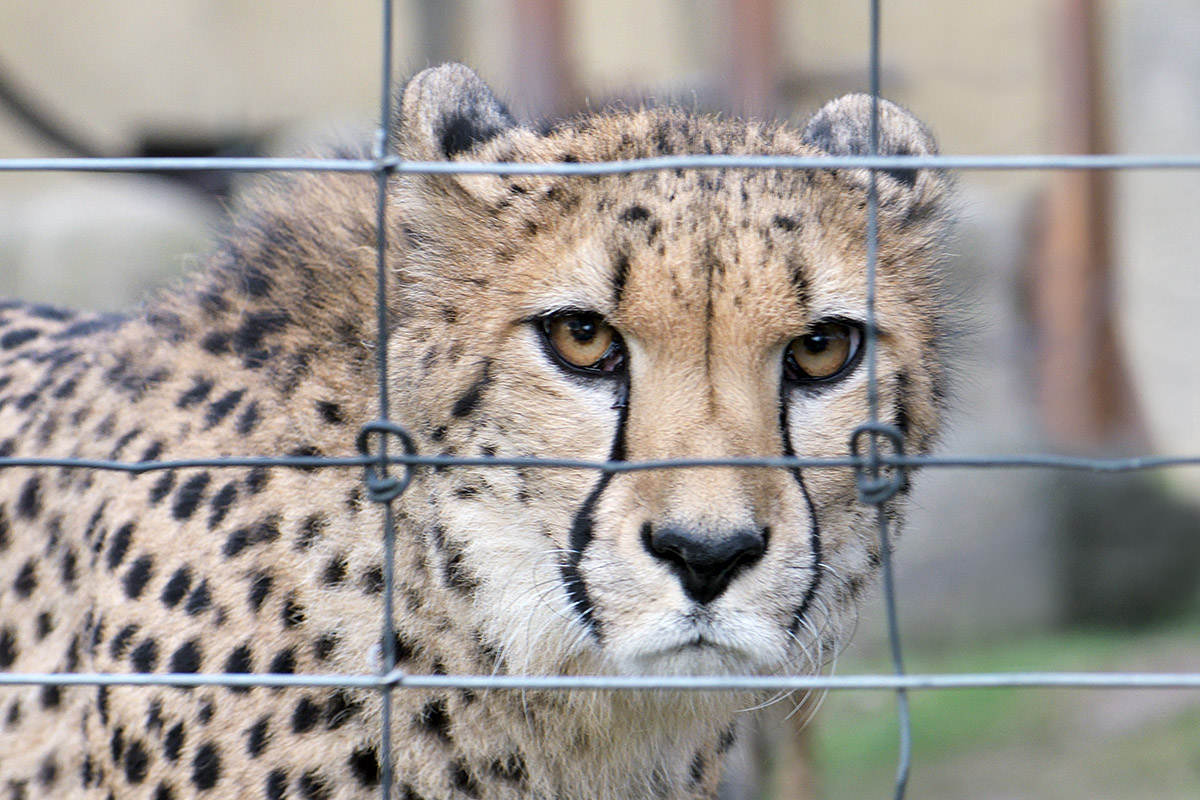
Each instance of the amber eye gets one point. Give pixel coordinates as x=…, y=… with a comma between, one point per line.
x=584, y=341
x=824, y=352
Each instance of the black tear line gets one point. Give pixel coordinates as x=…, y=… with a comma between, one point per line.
x=581, y=533
x=814, y=536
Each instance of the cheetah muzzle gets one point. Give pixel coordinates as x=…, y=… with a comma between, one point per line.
x=658, y=315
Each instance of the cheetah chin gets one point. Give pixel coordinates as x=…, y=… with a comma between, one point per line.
x=667, y=314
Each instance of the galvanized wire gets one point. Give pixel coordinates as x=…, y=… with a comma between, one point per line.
x=870, y=466
x=394, y=165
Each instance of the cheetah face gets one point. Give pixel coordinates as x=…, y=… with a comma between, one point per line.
x=667, y=315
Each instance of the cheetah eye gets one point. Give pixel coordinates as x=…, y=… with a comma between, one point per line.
x=584, y=341
x=828, y=349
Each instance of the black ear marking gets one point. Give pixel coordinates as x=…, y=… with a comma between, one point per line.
x=461, y=134
x=448, y=110
x=843, y=128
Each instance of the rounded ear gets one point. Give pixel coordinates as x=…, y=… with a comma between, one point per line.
x=843, y=128
x=448, y=110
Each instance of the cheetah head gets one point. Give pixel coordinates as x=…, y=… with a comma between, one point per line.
x=656, y=315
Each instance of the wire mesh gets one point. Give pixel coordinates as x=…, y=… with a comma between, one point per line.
x=877, y=468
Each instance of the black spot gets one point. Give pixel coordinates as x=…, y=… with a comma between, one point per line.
x=292, y=613
x=5, y=529
x=162, y=487
x=219, y=409
x=120, y=643
x=205, y=714
x=122, y=443
x=189, y=496
x=118, y=545
x=260, y=587
x=69, y=567
x=254, y=281
x=313, y=787
x=372, y=580
x=474, y=395
x=67, y=388
x=456, y=574
x=51, y=697
x=365, y=766
x=256, y=738
x=196, y=394
x=239, y=662
x=220, y=504
x=635, y=213
x=463, y=780
x=48, y=772
x=284, y=662
x=248, y=338
x=137, y=762
x=330, y=412
x=144, y=657
x=137, y=576
x=305, y=451
x=173, y=742
x=26, y=580
x=248, y=419
x=163, y=792
x=13, y=716
x=324, y=646
x=116, y=744
x=177, y=586
x=310, y=530
x=29, y=504
x=335, y=571
x=206, y=767
x=154, y=718
x=199, y=600
x=510, y=768
x=102, y=703
x=18, y=337
x=236, y=542
x=45, y=624
x=340, y=709
x=216, y=342
x=305, y=716
x=186, y=658
x=277, y=785
x=788, y=224
x=699, y=765
x=256, y=479
x=433, y=718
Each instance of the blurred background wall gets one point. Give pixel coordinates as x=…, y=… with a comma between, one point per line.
x=1080, y=291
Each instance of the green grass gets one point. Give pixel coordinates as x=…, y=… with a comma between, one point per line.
x=1056, y=743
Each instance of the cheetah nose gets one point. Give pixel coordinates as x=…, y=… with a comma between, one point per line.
x=705, y=562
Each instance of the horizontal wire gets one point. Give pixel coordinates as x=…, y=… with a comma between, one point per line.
x=1030, y=461
x=689, y=162
x=401, y=680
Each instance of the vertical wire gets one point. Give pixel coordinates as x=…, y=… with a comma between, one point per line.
x=381, y=351
x=885, y=545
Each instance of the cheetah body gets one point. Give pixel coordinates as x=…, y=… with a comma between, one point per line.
x=270, y=350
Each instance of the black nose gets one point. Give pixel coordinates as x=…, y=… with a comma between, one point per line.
x=705, y=561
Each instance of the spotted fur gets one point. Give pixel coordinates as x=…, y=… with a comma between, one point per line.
x=270, y=350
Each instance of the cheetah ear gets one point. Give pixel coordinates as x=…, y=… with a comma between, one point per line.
x=446, y=111
x=446, y=114
x=843, y=128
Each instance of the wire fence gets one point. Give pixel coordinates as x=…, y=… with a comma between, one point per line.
x=880, y=465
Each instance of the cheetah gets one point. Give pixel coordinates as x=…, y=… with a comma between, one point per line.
x=713, y=313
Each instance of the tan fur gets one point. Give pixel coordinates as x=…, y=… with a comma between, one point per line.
x=270, y=351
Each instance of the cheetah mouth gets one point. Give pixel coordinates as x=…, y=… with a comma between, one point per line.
x=698, y=647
